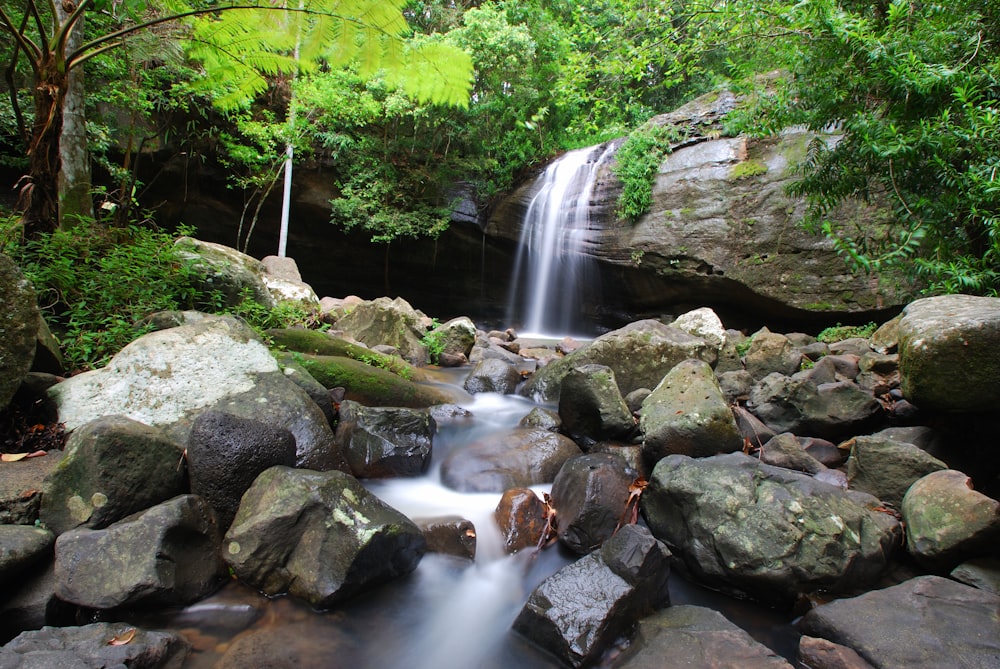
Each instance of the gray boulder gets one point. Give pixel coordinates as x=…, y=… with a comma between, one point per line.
x=542, y=418
x=640, y=354
x=772, y=353
x=590, y=495
x=886, y=467
x=225, y=453
x=112, y=467
x=166, y=555
x=817, y=653
x=580, y=610
x=319, y=536
x=926, y=622
x=947, y=521
x=19, y=319
x=982, y=573
x=696, y=638
x=22, y=547
x=688, y=414
x=742, y=526
x=591, y=407
x=517, y=458
x=88, y=647
x=223, y=269
x=391, y=322
x=785, y=450
x=383, y=442
x=948, y=353
x=493, y=375
x=167, y=378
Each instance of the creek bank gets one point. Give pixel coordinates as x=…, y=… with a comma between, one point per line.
x=826, y=527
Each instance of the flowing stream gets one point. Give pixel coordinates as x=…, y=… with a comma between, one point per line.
x=554, y=276
x=450, y=613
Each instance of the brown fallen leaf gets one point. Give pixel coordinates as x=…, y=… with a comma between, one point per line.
x=123, y=638
x=13, y=457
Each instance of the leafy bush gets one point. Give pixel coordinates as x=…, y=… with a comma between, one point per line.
x=637, y=162
x=840, y=332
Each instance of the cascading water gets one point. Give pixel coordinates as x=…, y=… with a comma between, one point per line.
x=554, y=274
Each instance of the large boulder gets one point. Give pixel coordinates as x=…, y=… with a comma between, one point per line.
x=886, y=467
x=91, y=647
x=112, y=467
x=771, y=352
x=590, y=495
x=166, y=555
x=167, y=378
x=926, y=622
x=319, y=536
x=388, y=322
x=521, y=517
x=493, y=375
x=742, y=526
x=687, y=414
x=19, y=319
x=696, y=638
x=948, y=353
x=591, y=407
x=224, y=270
x=384, y=442
x=581, y=609
x=516, y=458
x=640, y=354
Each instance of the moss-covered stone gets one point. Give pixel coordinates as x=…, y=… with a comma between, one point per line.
x=370, y=385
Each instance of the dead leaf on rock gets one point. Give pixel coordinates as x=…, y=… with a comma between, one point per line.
x=13, y=457
x=123, y=638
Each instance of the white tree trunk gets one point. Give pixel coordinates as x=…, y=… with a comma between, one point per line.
x=74, y=183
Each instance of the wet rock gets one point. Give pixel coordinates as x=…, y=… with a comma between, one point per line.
x=948, y=353
x=886, y=468
x=493, y=375
x=545, y=419
x=580, y=610
x=947, y=521
x=166, y=555
x=518, y=458
x=487, y=348
x=591, y=407
x=822, y=654
x=21, y=547
x=785, y=451
x=770, y=352
x=302, y=643
x=449, y=414
x=225, y=453
x=640, y=354
x=386, y=321
x=384, y=442
x=19, y=319
x=21, y=488
x=982, y=573
x=319, y=536
x=926, y=622
x=165, y=379
x=88, y=647
x=698, y=638
x=590, y=495
x=112, y=467
x=688, y=415
x=742, y=526
x=450, y=535
x=521, y=516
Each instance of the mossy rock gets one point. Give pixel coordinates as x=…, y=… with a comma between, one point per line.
x=313, y=342
x=371, y=386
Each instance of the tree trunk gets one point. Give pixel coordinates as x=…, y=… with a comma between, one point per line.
x=39, y=190
x=74, y=183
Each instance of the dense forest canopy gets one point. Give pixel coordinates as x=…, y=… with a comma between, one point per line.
x=401, y=100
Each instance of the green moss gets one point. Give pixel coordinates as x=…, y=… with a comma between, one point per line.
x=841, y=332
x=318, y=343
x=747, y=169
x=370, y=385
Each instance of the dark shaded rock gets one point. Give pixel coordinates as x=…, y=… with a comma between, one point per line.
x=112, y=467
x=304, y=643
x=591, y=407
x=818, y=653
x=521, y=516
x=319, y=536
x=225, y=453
x=752, y=430
x=21, y=488
x=826, y=452
x=19, y=319
x=384, y=442
x=926, y=622
x=697, y=638
x=742, y=526
x=517, y=458
x=21, y=547
x=296, y=372
x=31, y=603
x=635, y=399
x=630, y=453
x=450, y=535
x=982, y=573
x=640, y=354
x=590, y=495
x=785, y=451
x=166, y=555
x=544, y=419
x=948, y=353
x=88, y=647
x=581, y=609
x=886, y=468
x=947, y=521
x=687, y=414
x=492, y=375
x=735, y=385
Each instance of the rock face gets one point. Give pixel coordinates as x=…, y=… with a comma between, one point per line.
x=167, y=378
x=948, y=353
x=166, y=555
x=19, y=318
x=319, y=536
x=742, y=526
x=924, y=623
x=580, y=610
x=87, y=647
x=381, y=442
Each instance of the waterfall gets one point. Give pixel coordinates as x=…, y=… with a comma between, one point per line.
x=554, y=276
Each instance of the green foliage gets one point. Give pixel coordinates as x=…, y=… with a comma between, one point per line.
x=839, y=332
x=97, y=283
x=286, y=314
x=636, y=164
x=434, y=341
x=743, y=347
